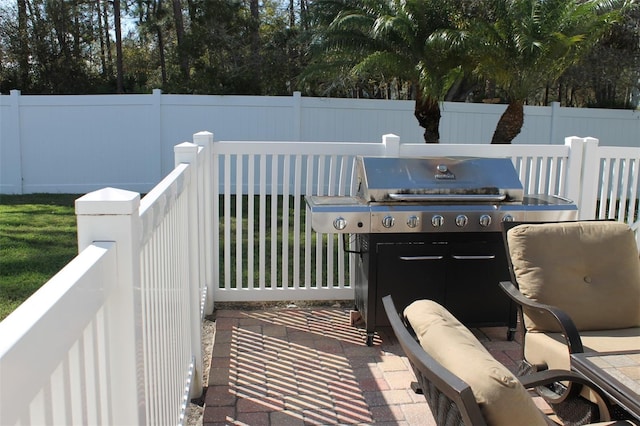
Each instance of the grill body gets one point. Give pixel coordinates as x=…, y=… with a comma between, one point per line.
x=461, y=271
x=431, y=228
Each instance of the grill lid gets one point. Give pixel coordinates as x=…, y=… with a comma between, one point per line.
x=437, y=179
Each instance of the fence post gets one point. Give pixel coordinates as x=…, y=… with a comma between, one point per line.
x=590, y=179
x=187, y=152
x=156, y=128
x=574, y=172
x=15, y=183
x=111, y=214
x=555, y=113
x=391, y=144
x=296, y=120
x=205, y=140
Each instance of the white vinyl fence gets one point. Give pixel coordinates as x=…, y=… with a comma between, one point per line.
x=267, y=254
x=80, y=143
x=114, y=337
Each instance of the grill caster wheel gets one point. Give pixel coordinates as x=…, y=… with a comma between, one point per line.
x=369, y=339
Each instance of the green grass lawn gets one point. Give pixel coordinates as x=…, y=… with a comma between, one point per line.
x=37, y=238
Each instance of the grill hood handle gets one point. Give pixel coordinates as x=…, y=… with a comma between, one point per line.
x=448, y=197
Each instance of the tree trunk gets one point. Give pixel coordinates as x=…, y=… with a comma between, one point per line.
x=23, y=36
x=119, y=60
x=292, y=14
x=427, y=111
x=254, y=30
x=107, y=38
x=157, y=14
x=304, y=16
x=101, y=37
x=179, y=23
x=510, y=123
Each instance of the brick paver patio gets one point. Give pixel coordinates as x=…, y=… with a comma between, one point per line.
x=312, y=367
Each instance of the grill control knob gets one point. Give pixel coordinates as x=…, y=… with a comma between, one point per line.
x=340, y=223
x=485, y=220
x=388, y=221
x=437, y=221
x=507, y=218
x=413, y=221
x=461, y=220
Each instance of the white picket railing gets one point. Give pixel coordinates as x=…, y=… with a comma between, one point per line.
x=611, y=183
x=314, y=266
x=114, y=337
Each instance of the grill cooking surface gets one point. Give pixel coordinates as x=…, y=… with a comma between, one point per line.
x=434, y=194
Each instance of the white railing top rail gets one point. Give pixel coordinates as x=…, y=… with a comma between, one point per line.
x=542, y=169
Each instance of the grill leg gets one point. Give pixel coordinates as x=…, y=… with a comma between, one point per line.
x=369, y=340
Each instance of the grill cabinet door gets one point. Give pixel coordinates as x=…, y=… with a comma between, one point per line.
x=477, y=265
x=409, y=271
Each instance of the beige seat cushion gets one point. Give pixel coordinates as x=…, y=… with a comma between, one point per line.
x=501, y=397
x=589, y=269
x=551, y=349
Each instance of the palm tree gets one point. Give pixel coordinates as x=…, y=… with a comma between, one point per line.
x=526, y=44
x=391, y=39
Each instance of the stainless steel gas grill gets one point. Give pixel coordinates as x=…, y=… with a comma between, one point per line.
x=431, y=228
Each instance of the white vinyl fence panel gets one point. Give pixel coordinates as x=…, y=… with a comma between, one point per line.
x=78, y=144
x=115, y=336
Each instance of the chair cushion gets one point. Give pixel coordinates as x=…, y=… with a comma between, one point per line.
x=551, y=349
x=501, y=397
x=589, y=269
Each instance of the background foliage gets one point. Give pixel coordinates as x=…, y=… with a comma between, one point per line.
x=256, y=47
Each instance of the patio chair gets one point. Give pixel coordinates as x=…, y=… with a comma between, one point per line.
x=462, y=383
x=577, y=286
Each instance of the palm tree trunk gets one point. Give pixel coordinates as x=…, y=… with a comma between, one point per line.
x=427, y=111
x=510, y=123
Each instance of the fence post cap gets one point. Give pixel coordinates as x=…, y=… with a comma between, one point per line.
x=185, y=146
x=108, y=201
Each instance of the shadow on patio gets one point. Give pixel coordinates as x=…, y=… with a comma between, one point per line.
x=310, y=366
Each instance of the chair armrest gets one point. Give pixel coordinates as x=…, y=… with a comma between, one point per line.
x=569, y=329
x=546, y=377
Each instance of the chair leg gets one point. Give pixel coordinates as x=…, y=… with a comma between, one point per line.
x=416, y=388
x=525, y=368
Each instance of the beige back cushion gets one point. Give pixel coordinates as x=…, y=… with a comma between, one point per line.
x=501, y=397
x=590, y=270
